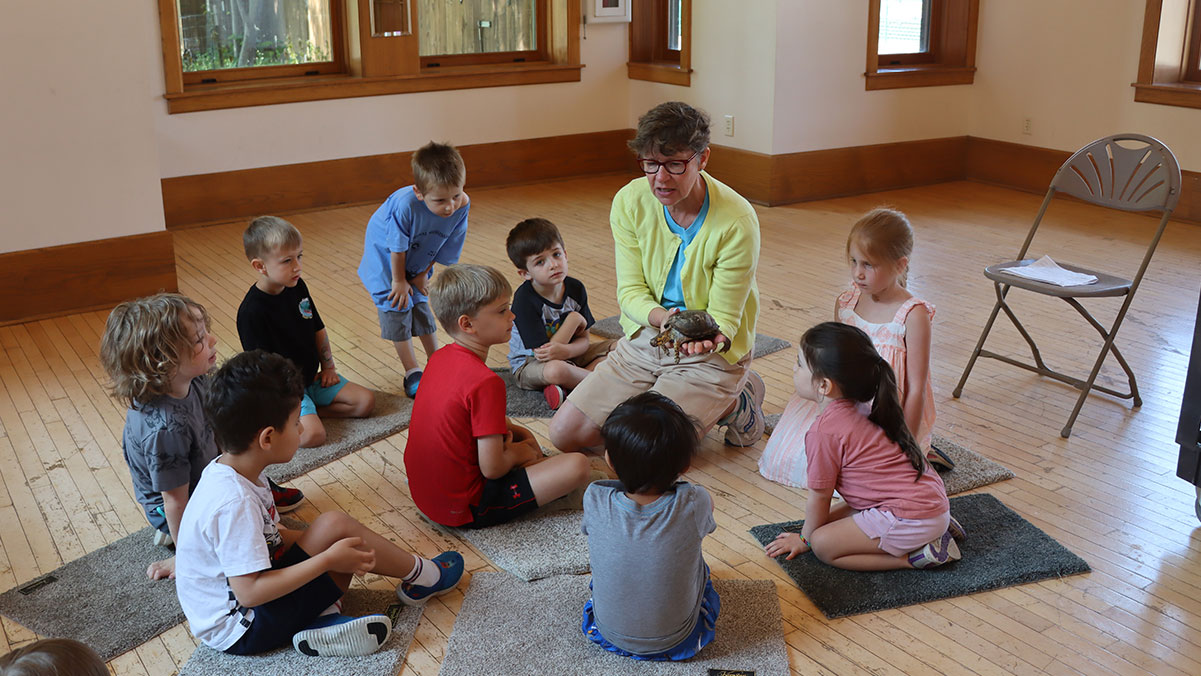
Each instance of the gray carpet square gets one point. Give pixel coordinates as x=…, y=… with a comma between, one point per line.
x=521, y=403
x=1001, y=550
x=511, y=627
x=346, y=435
x=972, y=470
x=541, y=544
x=610, y=327
x=287, y=662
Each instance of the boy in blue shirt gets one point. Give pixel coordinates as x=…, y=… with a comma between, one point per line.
x=417, y=226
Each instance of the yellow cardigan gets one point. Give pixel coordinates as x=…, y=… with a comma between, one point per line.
x=719, y=269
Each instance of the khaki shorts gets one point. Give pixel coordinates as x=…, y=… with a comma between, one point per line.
x=529, y=375
x=703, y=385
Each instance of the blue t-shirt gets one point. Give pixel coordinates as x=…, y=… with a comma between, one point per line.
x=673, y=290
x=404, y=224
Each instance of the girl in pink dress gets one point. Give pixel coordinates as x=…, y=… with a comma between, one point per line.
x=878, y=251
x=894, y=512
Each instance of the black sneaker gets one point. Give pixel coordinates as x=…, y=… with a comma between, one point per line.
x=286, y=499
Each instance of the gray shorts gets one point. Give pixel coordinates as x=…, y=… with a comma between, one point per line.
x=399, y=326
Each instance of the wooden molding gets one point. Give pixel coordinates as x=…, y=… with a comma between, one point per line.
x=70, y=278
x=207, y=198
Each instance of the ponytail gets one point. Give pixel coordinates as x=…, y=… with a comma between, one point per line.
x=888, y=414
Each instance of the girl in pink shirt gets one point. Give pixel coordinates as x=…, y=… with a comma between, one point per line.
x=897, y=504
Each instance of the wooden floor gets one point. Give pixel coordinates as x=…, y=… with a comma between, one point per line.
x=1109, y=492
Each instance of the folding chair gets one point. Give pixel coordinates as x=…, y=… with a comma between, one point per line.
x=1130, y=172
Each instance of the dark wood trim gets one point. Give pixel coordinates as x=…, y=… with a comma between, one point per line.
x=223, y=196
x=951, y=59
x=649, y=57
x=59, y=280
x=1166, y=72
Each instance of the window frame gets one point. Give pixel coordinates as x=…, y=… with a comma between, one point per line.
x=649, y=56
x=949, y=60
x=1163, y=74
x=371, y=66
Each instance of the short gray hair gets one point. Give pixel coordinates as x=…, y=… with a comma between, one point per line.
x=671, y=127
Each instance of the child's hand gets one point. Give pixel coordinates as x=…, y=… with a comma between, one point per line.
x=786, y=543
x=551, y=351
x=160, y=570
x=328, y=377
x=420, y=283
x=347, y=556
x=399, y=297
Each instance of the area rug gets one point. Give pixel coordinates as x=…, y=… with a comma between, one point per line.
x=541, y=544
x=287, y=662
x=972, y=470
x=346, y=435
x=1001, y=550
x=543, y=636
x=610, y=327
x=103, y=598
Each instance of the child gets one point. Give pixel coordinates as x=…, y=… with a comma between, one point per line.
x=550, y=351
x=897, y=504
x=53, y=657
x=651, y=594
x=468, y=465
x=878, y=250
x=278, y=315
x=157, y=351
x=248, y=585
x=417, y=226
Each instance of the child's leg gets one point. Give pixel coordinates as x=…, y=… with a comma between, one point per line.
x=404, y=350
x=843, y=545
x=330, y=527
x=558, y=475
x=563, y=373
x=352, y=401
x=429, y=343
x=312, y=432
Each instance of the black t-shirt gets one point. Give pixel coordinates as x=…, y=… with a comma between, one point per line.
x=285, y=324
x=537, y=319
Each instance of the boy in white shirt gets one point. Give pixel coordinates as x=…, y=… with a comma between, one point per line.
x=248, y=585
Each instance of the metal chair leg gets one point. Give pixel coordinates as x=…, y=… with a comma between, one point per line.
x=976, y=352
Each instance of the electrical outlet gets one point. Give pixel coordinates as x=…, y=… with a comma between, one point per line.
x=1027, y=126
x=729, y=125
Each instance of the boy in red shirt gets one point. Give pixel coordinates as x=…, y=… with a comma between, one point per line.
x=468, y=464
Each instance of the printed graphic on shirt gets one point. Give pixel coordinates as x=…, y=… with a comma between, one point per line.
x=552, y=318
x=306, y=308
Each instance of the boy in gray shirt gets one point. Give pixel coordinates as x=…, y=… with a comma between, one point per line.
x=651, y=594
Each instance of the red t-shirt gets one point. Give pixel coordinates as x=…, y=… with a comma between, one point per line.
x=850, y=453
x=460, y=400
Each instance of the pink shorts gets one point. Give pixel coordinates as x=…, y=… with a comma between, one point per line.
x=900, y=536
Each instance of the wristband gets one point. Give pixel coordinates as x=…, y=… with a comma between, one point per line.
x=805, y=541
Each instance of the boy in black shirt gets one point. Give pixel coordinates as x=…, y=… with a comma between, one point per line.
x=278, y=315
x=550, y=350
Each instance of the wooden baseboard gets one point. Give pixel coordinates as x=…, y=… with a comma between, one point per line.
x=228, y=195
x=58, y=280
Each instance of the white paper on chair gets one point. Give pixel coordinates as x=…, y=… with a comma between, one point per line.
x=1047, y=270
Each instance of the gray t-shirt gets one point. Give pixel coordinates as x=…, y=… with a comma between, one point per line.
x=168, y=442
x=648, y=574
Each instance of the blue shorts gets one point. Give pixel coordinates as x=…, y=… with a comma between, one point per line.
x=275, y=622
x=315, y=395
x=701, y=636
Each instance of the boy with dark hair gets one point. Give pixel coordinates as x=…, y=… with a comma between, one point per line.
x=248, y=585
x=468, y=464
x=550, y=351
x=416, y=227
x=651, y=594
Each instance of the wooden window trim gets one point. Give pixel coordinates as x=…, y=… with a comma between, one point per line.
x=1163, y=75
x=650, y=59
x=380, y=72
x=951, y=59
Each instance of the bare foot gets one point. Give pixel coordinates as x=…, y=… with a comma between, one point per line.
x=162, y=569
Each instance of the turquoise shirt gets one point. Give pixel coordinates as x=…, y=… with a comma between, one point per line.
x=673, y=291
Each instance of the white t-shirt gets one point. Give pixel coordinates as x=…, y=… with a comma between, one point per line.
x=228, y=529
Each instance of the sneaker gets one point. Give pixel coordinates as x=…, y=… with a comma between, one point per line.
x=936, y=553
x=956, y=529
x=411, y=382
x=745, y=427
x=451, y=564
x=554, y=396
x=940, y=461
x=337, y=635
x=162, y=538
x=286, y=499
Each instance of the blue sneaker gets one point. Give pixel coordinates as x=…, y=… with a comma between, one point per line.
x=451, y=569
x=411, y=382
x=337, y=635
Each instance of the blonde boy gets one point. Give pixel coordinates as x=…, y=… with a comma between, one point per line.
x=417, y=226
x=469, y=465
x=278, y=315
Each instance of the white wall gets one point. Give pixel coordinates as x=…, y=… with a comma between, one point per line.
x=77, y=142
x=1068, y=65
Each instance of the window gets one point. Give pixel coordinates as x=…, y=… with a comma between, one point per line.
x=1169, y=67
x=232, y=53
x=921, y=43
x=660, y=41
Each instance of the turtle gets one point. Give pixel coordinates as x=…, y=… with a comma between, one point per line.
x=687, y=326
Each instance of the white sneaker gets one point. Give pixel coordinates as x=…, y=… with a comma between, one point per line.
x=162, y=539
x=746, y=425
x=337, y=635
